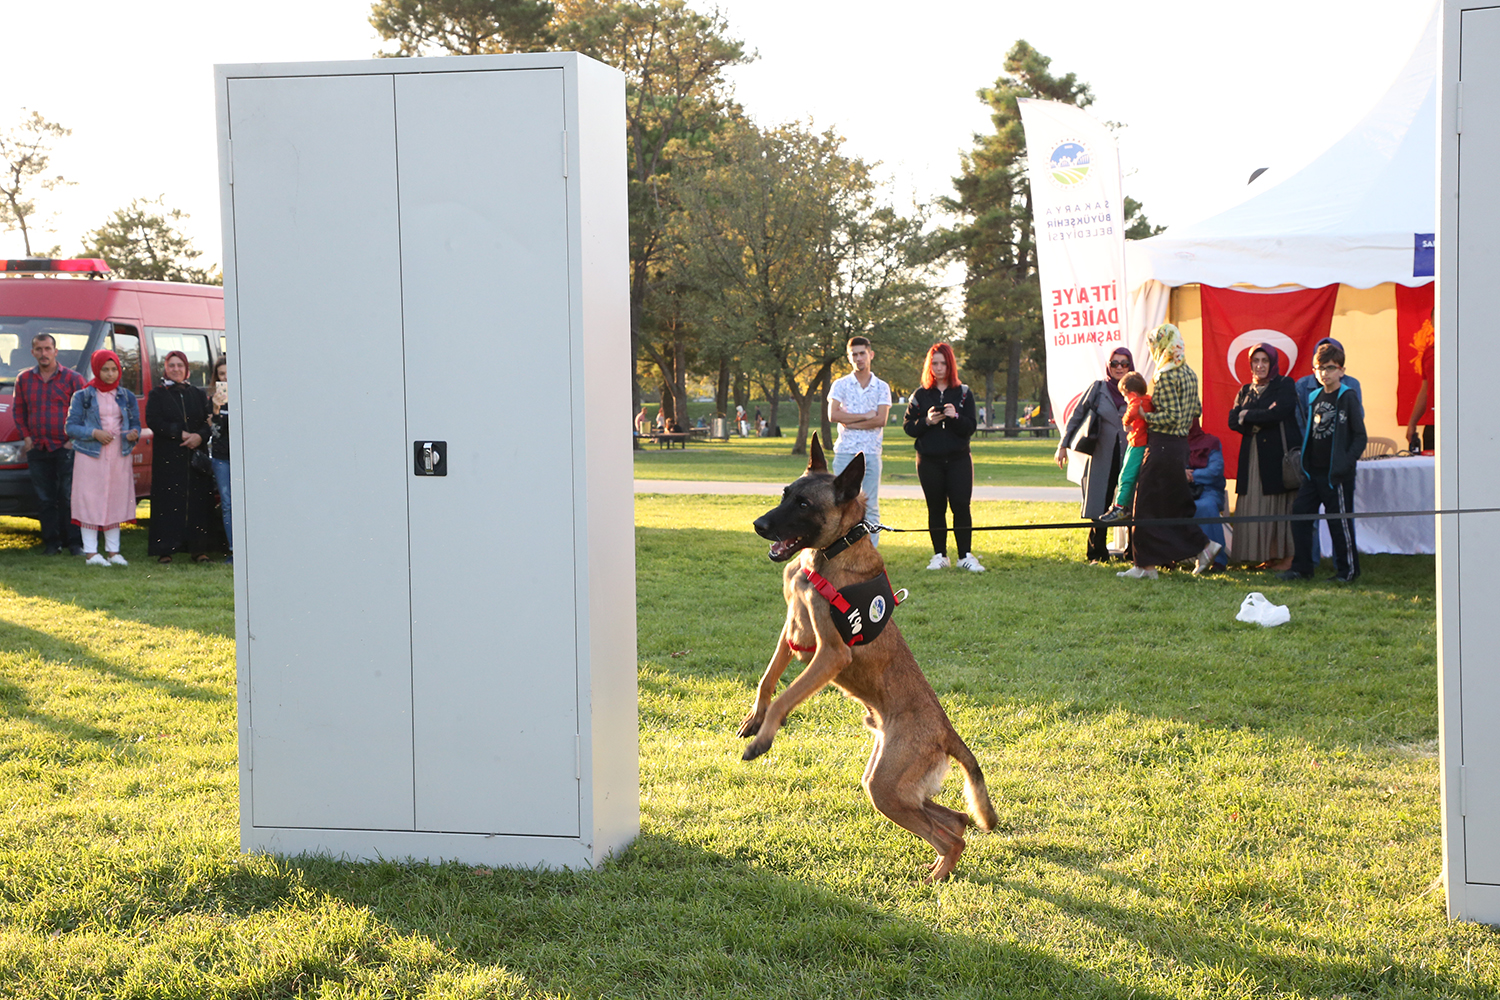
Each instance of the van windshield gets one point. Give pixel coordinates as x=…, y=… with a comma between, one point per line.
x=72, y=337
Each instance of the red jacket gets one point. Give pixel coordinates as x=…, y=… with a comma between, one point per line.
x=1135, y=424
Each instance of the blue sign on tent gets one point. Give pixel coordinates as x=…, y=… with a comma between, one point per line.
x=1424, y=256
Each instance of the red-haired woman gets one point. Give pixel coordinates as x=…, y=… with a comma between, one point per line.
x=941, y=417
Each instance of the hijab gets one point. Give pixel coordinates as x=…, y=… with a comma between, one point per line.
x=1167, y=349
x=1114, y=383
x=1275, y=357
x=1201, y=445
x=97, y=362
x=170, y=355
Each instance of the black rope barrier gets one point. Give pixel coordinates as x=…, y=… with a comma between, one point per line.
x=1230, y=520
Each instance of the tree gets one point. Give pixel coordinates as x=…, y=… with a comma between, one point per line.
x=996, y=238
x=141, y=241
x=676, y=98
x=673, y=59
x=25, y=153
x=462, y=27
x=781, y=254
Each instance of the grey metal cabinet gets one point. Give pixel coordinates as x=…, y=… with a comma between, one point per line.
x=1468, y=441
x=420, y=254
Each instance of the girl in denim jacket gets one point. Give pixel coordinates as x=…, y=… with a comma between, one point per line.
x=104, y=424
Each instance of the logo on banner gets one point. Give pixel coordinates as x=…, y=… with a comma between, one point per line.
x=1286, y=345
x=1069, y=162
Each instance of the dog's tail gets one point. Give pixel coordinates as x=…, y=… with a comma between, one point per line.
x=975, y=793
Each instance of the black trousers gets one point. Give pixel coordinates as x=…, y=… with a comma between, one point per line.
x=1337, y=498
x=52, y=479
x=948, y=481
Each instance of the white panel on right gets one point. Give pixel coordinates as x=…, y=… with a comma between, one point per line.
x=488, y=369
x=1478, y=261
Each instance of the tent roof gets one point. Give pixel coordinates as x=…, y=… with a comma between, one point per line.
x=1349, y=217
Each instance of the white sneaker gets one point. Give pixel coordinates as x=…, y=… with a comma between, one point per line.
x=95, y=560
x=1136, y=573
x=969, y=563
x=1206, y=558
x=118, y=560
x=939, y=561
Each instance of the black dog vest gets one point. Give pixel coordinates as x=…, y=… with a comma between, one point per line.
x=860, y=611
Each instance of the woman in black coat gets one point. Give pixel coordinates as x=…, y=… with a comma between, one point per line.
x=182, y=500
x=1265, y=413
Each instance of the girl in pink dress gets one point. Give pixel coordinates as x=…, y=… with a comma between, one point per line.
x=104, y=423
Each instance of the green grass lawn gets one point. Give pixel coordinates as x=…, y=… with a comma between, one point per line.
x=1189, y=806
x=997, y=461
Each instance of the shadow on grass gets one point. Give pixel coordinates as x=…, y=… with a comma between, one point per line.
x=671, y=919
x=186, y=595
x=17, y=638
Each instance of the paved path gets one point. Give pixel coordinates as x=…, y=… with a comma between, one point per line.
x=887, y=490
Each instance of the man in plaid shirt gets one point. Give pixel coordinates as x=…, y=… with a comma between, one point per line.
x=41, y=412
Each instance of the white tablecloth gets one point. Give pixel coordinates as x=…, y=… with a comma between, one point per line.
x=1392, y=484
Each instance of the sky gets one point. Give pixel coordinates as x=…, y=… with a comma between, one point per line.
x=1207, y=90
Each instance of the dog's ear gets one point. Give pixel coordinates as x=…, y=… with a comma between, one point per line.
x=847, y=485
x=815, y=461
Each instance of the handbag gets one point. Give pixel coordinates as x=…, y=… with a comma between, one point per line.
x=1086, y=439
x=1292, y=475
x=198, y=460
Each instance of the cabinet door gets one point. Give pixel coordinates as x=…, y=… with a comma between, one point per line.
x=1478, y=474
x=317, y=269
x=484, y=236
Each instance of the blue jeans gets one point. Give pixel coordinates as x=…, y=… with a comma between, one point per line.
x=221, y=476
x=871, y=486
x=52, y=479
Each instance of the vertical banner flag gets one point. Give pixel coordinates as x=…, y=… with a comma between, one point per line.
x=1078, y=216
x=1414, y=351
x=1292, y=321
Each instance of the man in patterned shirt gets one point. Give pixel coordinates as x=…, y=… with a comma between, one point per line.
x=41, y=413
x=859, y=403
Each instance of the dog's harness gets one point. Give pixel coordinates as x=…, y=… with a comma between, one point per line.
x=863, y=608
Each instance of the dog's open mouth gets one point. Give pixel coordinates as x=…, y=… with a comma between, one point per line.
x=782, y=551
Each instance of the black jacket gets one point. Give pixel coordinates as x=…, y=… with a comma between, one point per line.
x=1349, y=437
x=1266, y=417
x=951, y=437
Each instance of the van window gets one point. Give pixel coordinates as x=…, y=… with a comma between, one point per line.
x=193, y=343
x=72, y=338
x=125, y=342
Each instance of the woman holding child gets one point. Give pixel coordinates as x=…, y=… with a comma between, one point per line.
x=1265, y=413
x=1162, y=491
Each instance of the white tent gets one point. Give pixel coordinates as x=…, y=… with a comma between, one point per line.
x=1350, y=217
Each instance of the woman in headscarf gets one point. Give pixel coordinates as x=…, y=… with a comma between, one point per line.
x=1162, y=490
x=104, y=423
x=1205, y=475
x=1265, y=412
x=1101, y=470
x=182, y=500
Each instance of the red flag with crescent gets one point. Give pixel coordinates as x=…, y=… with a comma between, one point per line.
x=1234, y=320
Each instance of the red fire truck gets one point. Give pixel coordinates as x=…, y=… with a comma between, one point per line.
x=83, y=309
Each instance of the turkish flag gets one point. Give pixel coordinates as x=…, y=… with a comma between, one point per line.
x=1414, y=337
x=1234, y=321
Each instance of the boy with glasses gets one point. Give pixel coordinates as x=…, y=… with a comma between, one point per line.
x=1332, y=443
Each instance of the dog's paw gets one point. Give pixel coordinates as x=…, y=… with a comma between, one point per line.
x=751, y=725
x=755, y=749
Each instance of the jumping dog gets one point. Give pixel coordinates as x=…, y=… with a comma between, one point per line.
x=838, y=606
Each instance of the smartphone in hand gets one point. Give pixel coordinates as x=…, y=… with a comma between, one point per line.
x=221, y=393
